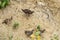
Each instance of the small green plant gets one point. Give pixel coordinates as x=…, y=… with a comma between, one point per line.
x=37, y=33
x=15, y=25
x=55, y=37
x=38, y=27
x=10, y=38
x=4, y=3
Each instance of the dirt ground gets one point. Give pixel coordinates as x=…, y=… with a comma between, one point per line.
x=46, y=14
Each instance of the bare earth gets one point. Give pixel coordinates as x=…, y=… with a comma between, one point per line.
x=46, y=14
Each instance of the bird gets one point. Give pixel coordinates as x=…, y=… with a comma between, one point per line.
x=8, y=20
x=42, y=31
x=27, y=11
x=28, y=33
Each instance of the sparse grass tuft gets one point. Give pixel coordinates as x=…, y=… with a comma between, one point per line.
x=55, y=37
x=15, y=25
x=10, y=38
x=38, y=27
x=4, y=3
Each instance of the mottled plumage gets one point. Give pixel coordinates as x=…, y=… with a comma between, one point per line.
x=28, y=33
x=6, y=21
x=27, y=11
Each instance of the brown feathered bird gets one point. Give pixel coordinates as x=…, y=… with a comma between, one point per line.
x=28, y=33
x=8, y=20
x=27, y=11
